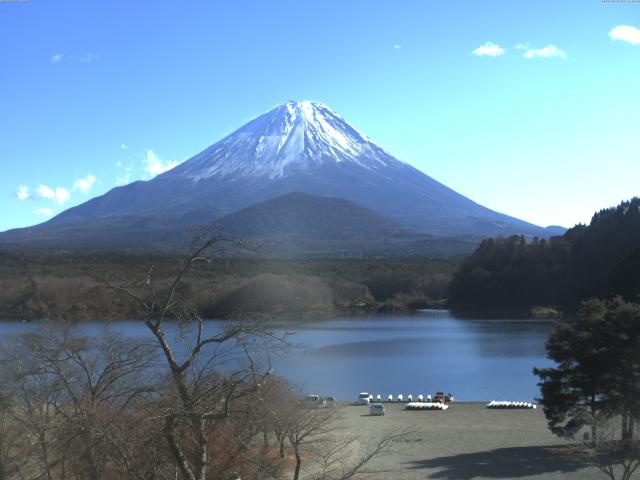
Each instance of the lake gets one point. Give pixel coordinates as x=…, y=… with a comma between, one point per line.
x=422, y=352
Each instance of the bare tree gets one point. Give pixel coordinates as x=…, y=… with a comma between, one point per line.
x=136, y=447
x=11, y=443
x=279, y=403
x=68, y=394
x=307, y=427
x=341, y=459
x=334, y=456
x=33, y=397
x=209, y=369
x=237, y=445
x=614, y=451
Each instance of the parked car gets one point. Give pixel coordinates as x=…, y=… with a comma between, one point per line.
x=364, y=398
x=376, y=409
x=330, y=402
x=312, y=401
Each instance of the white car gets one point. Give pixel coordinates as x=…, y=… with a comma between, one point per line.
x=364, y=398
x=312, y=401
x=376, y=409
x=330, y=402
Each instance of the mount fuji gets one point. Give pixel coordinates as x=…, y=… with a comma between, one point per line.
x=297, y=147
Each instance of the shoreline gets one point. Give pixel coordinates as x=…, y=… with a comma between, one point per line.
x=300, y=318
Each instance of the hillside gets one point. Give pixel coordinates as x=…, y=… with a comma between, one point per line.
x=307, y=216
x=299, y=225
x=295, y=225
x=598, y=260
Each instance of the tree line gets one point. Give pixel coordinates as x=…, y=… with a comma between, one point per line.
x=63, y=287
x=599, y=260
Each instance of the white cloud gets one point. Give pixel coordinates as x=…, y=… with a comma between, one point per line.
x=397, y=47
x=550, y=51
x=23, y=192
x=489, y=49
x=522, y=46
x=124, y=175
x=43, y=212
x=626, y=33
x=155, y=165
x=88, y=57
x=123, y=147
x=57, y=195
x=84, y=58
x=84, y=184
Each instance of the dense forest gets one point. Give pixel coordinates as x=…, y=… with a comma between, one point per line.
x=72, y=286
x=601, y=259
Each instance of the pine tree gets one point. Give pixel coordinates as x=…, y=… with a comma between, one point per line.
x=598, y=369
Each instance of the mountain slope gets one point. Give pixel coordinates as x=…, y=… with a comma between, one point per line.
x=295, y=225
x=301, y=225
x=297, y=147
x=300, y=215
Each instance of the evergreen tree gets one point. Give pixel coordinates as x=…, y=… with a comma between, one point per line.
x=599, y=260
x=598, y=369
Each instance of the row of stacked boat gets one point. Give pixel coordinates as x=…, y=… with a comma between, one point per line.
x=504, y=405
x=439, y=397
x=426, y=406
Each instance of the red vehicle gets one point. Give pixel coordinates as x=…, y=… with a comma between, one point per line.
x=440, y=397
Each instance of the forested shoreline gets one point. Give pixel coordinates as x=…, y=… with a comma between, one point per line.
x=599, y=260
x=73, y=286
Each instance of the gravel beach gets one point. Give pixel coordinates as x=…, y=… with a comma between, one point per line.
x=467, y=441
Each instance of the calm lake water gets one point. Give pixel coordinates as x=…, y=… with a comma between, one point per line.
x=476, y=360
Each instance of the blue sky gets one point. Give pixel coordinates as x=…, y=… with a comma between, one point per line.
x=530, y=108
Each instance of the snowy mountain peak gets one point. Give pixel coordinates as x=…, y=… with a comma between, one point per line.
x=300, y=147
x=292, y=138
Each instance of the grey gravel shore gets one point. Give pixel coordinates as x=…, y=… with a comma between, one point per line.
x=467, y=441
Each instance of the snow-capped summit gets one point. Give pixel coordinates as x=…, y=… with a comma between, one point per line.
x=296, y=147
x=293, y=137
